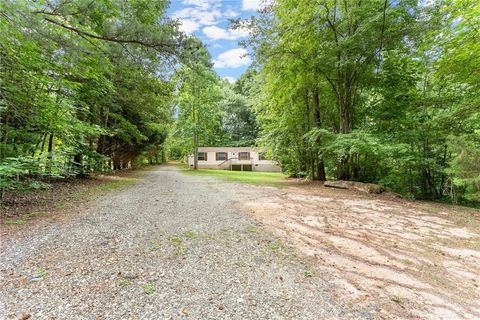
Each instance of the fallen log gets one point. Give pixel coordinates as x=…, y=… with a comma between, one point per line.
x=339, y=184
x=353, y=185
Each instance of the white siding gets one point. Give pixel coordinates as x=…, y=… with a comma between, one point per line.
x=212, y=163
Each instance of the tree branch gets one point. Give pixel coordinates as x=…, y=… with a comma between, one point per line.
x=159, y=47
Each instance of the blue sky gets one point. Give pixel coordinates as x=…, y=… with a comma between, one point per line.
x=209, y=20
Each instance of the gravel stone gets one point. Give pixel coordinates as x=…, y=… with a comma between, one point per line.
x=185, y=236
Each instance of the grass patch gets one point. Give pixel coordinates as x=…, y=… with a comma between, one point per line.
x=308, y=274
x=190, y=235
x=275, y=179
x=111, y=185
x=276, y=247
x=398, y=299
x=149, y=288
x=40, y=273
x=15, y=221
x=466, y=219
x=116, y=184
x=251, y=229
x=24, y=219
x=124, y=283
x=177, y=242
x=155, y=245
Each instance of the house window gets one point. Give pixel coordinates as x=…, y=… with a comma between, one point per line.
x=261, y=156
x=244, y=156
x=221, y=156
x=202, y=156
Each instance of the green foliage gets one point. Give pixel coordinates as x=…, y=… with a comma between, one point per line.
x=84, y=86
x=239, y=120
x=464, y=168
x=371, y=91
x=375, y=91
x=198, y=113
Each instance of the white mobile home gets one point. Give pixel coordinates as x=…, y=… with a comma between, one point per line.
x=233, y=158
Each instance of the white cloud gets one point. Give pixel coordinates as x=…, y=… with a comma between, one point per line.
x=188, y=26
x=202, y=12
x=216, y=33
x=204, y=17
x=251, y=4
x=234, y=58
x=230, y=79
x=231, y=13
x=200, y=3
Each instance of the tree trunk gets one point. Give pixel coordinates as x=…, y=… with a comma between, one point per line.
x=342, y=172
x=50, y=153
x=307, y=162
x=444, y=176
x=78, y=165
x=3, y=154
x=195, y=151
x=320, y=167
x=345, y=102
x=116, y=163
x=42, y=148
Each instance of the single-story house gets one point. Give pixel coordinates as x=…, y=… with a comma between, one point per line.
x=234, y=158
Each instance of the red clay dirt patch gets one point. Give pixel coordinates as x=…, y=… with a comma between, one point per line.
x=411, y=259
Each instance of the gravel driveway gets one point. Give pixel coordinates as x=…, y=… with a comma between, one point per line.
x=170, y=247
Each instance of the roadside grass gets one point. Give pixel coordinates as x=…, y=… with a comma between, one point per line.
x=110, y=184
x=275, y=179
x=97, y=187
x=466, y=219
x=15, y=221
x=23, y=220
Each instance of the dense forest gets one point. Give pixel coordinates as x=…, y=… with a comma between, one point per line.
x=375, y=91
x=92, y=86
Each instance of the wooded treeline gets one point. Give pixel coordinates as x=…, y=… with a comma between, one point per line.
x=382, y=91
x=379, y=91
x=93, y=86
x=210, y=111
x=85, y=86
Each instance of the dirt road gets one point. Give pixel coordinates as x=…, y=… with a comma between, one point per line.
x=176, y=246
x=414, y=260
x=170, y=247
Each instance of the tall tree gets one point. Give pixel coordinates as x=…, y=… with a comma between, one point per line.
x=198, y=107
x=369, y=90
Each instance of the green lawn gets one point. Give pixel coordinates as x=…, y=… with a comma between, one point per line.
x=276, y=179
